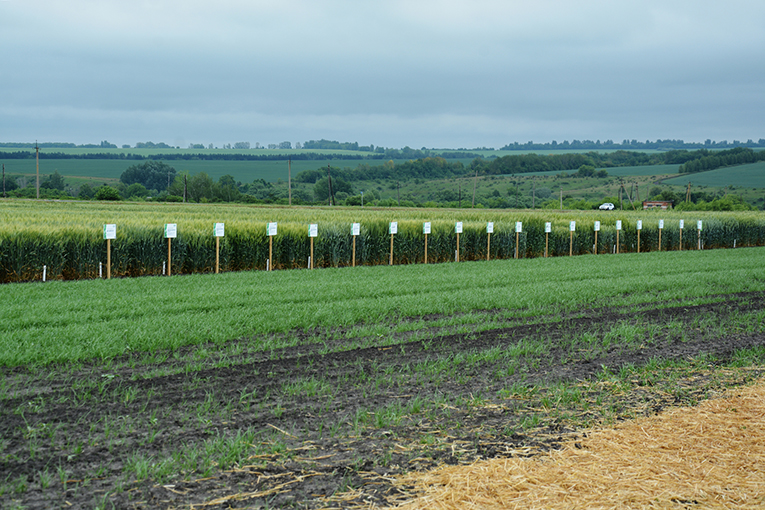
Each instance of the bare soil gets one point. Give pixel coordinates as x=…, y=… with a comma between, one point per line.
x=331, y=429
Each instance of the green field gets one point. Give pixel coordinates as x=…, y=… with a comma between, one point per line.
x=62, y=321
x=743, y=176
x=107, y=169
x=319, y=389
x=154, y=152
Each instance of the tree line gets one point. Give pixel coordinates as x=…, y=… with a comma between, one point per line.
x=713, y=160
x=659, y=144
x=405, y=153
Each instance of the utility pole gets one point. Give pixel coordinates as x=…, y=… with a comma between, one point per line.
x=621, y=187
x=475, y=181
x=398, y=193
x=329, y=184
x=517, y=184
x=37, y=159
x=459, y=187
x=289, y=180
x=688, y=194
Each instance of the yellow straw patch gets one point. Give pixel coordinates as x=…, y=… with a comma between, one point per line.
x=709, y=456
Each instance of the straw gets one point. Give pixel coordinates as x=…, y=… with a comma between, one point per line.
x=709, y=456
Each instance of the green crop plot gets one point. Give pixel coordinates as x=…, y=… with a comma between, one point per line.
x=62, y=321
x=744, y=176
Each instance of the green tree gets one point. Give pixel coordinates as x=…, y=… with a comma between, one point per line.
x=86, y=192
x=321, y=188
x=200, y=187
x=55, y=181
x=226, y=189
x=107, y=193
x=136, y=190
x=152, y=174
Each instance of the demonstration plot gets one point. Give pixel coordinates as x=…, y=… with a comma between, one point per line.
x=321, y=405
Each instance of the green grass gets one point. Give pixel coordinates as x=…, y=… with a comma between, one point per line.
x=746, y=176
x=65, y=321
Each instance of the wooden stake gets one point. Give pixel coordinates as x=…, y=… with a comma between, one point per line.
x=488, y=245
x=617, y=242
x=547, y=242
x=571, y=243
x=353, y=264
x=681, y=239
x=426, y=248
x=516, y=244
x=108, y=259
x=311, y=254
x=168, y=256
x=217, y=255
x=596, y=242
x=391, y=249
x=457, y=254
x=270, y=252
x=659, y=239
x=638, y=241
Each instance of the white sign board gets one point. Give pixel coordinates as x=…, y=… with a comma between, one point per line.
x=458, y=227
x=682, y=224
x=518, y=227
x=597, y=226
x=426, y=227
x=699, y=225
x=572, y=226
x=661, y=224
x=548, y=227
x=355, y=229
x=313, y=230
x=110, y=231
x=639, y=225
x=218, y=230
x=171, y=230
x=490, y=227
x=618, y=224
x=393, y=227
x=271, y=228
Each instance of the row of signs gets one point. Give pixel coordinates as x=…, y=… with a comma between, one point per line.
x=171, y=229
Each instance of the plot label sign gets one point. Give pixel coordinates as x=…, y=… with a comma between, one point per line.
x=171, y=230
x=110, y=231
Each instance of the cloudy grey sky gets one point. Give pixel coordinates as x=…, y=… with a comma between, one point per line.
x=447, y=73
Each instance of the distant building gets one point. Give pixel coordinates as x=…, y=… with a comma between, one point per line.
x=658, y=204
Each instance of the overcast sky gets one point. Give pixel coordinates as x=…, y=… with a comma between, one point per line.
x=447, y=73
